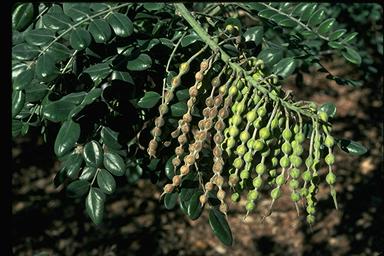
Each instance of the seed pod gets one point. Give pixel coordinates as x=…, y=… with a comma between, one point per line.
x=223, y=208
x=323, y=116
x=220, y=195
x=184, y=170
x=235, y=197
x=176, y=161
x=204, y=65
x=156, y=131
x=203, y=199
x=329, y=141
x=250, y=206
x=176, y=81
x=182, y=139
x=329, y=159
x=208, y=186
x=257, y=182
x=330, y=178
x=189, y=159
x=209, y=102
x=176, y=180
x=264, y=133
x=184, y=68
x=261, y=168
x=218, y=138
x=199, y=77
x=159, y=122
x=252, y=195
x=217, y=167
x=215, y=82
x=163, y=109
x=168, y=188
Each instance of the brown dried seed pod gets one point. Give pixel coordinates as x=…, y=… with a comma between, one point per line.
x=153, y=144
x=182, y=139
x=175, y=133
x=220, y=125
x=187, y=117
x=156, y=131
x=163, y=109
x=176, y=180
x=213, y=112
x=190, y=102
x=199, y=76
x=208, y=186
x=204, y=65
x=206, y=112
x=179, y=150
x=184, y=170
x=217, y=167
x=203, y=199
x=220, y=195
x=168, y=188
x=176, y=81
x=151, y=152
x=217, y=152
x=218, y=100
x=209, y=102
x=176, y=161
x=223, y=113
x=185, y=128
x=215, y=82
x=219, y=181
x=168, y=96
x=201, y=124
x=201, y=135
x=208, y=124
x=198, y=145
x=159, y=121
x=189, y=159
x=193, y=92
x=233, y=180
x=223, y=208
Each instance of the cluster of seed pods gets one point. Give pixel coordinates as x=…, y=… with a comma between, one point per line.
x=256, y=139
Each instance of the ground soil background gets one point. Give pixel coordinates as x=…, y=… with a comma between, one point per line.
x=46, y=222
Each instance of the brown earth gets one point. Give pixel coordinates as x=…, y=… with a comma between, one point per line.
x=46, y=222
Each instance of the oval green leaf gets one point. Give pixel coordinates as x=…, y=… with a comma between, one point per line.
x=23, y=79
x=326, y=26
x=194, y=207
x=220, y=226
x=110, y=138
x=100, y=30
x=88, y=173
x=94, y=205
x=114, y=163
x=284, y=67
x=24, y=52
x=46, y=70
x=337, y=34
x=316, y=18
x=106, y=182
x=149, y=100
x=170, y=200
x=121, y=24
x=18, y=101
x=141, y=63
x=22, y=16
x=39, y=36
x=270, y=56
x=329, y=108
x=254, y=34
x=73, y=165
x=179, y=109
x=66, y=138
x=352, y=147
x=351, y=55
x=93, y=154
x=169, y=169
x=80, y=39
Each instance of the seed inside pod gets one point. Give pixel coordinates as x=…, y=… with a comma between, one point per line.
x=218, y=100
x=184, y=68
x=233, y=180
x=175, y=133
x=223, y=113
x=223, y=208
x=217, y=167
x=204, y=65
x=163, y=109
x=168, y=96
x=208, y=186
x=182, y=139
x=168, y=188
x=185, y=128
x=217, y=152
x=176, y=180
x=220, y=125
x=176, y=161
x=184, y=170
x=156, y=131
x=176, y=81
x=220, y=195
x=187, y=117
x=219, y=181
x=215, y=82
x=199, y=76
x=201, y=124
x=193, y=92
x=201, y=135
x=152, y=144
x=159, y=121
x=189, y=159
x=208, y=124
x=213, y=113
x=179, y=150
x=206, y=112
x=218, y=138
x=203, y=199
x=209, y=102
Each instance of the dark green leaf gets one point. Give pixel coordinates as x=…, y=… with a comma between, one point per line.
x=220, y=226
x=93, y=154
x=335, y=45
x=255, y=6
x=254, y=34
x=114, y=163
x=326, y=26
x=99, y=71
x=56, y=21
x=16, y=127
x=141, y=63
x=134, y=173
x=337, y=34
x=179, y=109
x=122, y=76
x=182, y=95
x=329, y=108
x=22, y=16
x=121, y=24
x=73, y=165
x=67, y=137
x=352, y=147
x=308, y=12
x=267, y=13
x=97, y=7
x=316, y=17
x=18, y=101
x=39, y=36
x=152, y=166
x=94, y=205
x=234, y=22
x=80, y=39
x=287, y=23
x=24, y=51
x=35, y=91
x=58, y=52
x=153, y=6
x=284, y=67
x=300, y=9
x=23, y=79
x=149, y=100
x=78, y=188
x=110, y=138
x=351, y=55
x=349, y=37
x=270, y=56
x=46, y=70
x=100, y=30
x=194, y=207
x=59, y=110
x=77, y=11
x=91, y=96
x=189, y=39
x=170, y=200
x=18, y=68
x=88, y=173
x=106, y=182
x=169, y=169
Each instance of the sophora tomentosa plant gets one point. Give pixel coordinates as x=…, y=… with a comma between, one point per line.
x=225, y=126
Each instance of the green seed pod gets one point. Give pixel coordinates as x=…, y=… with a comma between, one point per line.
x=184, y=68
x=274, y=123
x=163, y=109
x=286, y=148
x=258, y=123
x=238, y=163
x=287, y=134
x=252, y=195
x=257, y=182
x=236, y=119
x=251, y=143
x=276, y=152
x=280, y=180
x=241, y=150
x=275, y=193
x=265, y=152
x=303, y=192
x=281, y=121
x=256, y=76
x=295, y=173
x=284, y=162
x=233, y=131
x=244, y=174
x=293, y=184
x=323, y=116
x=244, y=136
x=330, y=159
x=262, y=111
x=251, y=115
x=232, y=91
x=272, y=173
x=248, y=157
x=258, y=145
x=330, y=178
x=296, y=129
x=235, y=197
x=329, y=141
x=215, y=82
x=299, y=137
x=310, y=209
x=261, y=168
x=295, y=161
x=250, y=206
x=297, y=150
x=256, y=99
x=295, y=196
x=231, y=142
x=310, y=219
x=307, y=176
x=274, y=162
x=240, y=107
x=309, y=161
x=264, y=133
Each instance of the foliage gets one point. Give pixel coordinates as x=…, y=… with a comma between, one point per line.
x=101, y=72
